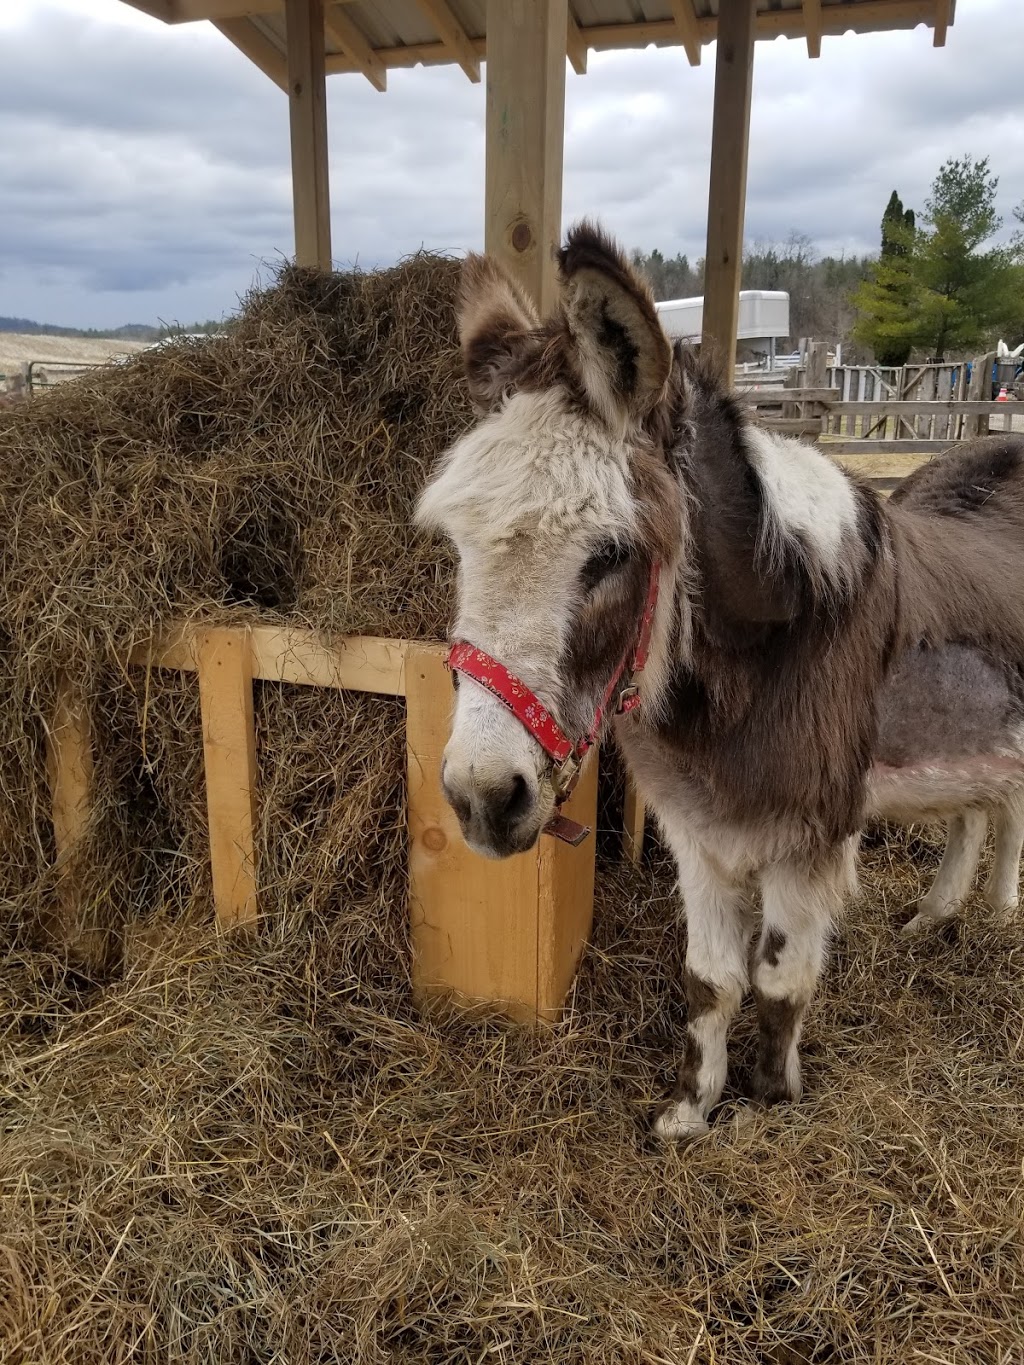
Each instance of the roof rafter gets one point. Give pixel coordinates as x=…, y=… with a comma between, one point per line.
x=341, y=30
x=812, y=23
x=576, y=46
x=685, y=19
x=255, y=45
x=453, y=35
x=942, y=9
x=187, y=11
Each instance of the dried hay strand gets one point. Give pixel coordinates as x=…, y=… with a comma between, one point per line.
x=241, y=1151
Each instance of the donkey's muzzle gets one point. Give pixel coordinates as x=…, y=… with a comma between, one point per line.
x=499, y=816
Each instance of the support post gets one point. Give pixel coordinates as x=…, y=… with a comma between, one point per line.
x=224, y=656
x=69, y=763
x=307, y=110
x=634, y=814
x=508, y=933
x=526, y=41
x=730, y=135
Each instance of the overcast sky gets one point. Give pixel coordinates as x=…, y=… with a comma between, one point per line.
x=144, y=169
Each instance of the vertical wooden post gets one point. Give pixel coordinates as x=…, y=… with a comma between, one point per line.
x=307, y=109
x=70, y=767
x=224, y=657
x=525, y=122
x=508, y=933
x=633, y=816
x=730, y=135
x=979, y=390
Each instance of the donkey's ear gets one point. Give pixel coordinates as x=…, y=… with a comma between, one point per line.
x=623, y=356
x=497, y=330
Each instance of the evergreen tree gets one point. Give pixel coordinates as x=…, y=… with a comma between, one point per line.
x=888, y=302
x=967, y=293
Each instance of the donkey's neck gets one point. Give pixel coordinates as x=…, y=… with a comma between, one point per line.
x=778, y=532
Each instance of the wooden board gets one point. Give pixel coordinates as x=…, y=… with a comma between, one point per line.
x=526, y=43
x=70, y=769
x=565, y=897
x=915, y=407
x=362, y=663
x=727, y=192
x=473, y=920
x=863, y=446
x=508, y=932
x=633, y=817
x=229, y=751
x=307, y=110
x=777, y=394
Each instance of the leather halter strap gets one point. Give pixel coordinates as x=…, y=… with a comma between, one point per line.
x=566, y=754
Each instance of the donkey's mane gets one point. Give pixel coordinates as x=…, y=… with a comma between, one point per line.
x=761, y=479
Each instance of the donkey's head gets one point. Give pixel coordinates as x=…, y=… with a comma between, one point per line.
x=558, y=502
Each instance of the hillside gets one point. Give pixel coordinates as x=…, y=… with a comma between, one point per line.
x=131, y=331
x=18, y=348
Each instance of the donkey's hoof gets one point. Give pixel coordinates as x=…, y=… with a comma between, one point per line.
x=923, y=923
x=1004, y=912
x=680, y=1121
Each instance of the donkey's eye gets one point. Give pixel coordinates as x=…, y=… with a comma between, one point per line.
x=602, y=562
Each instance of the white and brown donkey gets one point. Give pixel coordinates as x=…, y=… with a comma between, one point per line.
x=816, y=657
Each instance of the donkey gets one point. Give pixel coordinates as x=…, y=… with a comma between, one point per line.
x=783, y=655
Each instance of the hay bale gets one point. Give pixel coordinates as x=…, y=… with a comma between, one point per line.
x=256, y=1151
x=270, y=472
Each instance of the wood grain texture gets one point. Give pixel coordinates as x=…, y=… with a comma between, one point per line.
x=526, y=49
x=229, y=752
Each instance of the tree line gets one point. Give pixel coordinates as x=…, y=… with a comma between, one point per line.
x=940, y=286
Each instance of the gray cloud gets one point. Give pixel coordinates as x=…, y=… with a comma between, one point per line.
x=144, y=170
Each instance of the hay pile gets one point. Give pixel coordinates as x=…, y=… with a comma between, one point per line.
x=258, y=1152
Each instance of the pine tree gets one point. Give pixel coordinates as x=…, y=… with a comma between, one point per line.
x=888, y=302
x=967, y=293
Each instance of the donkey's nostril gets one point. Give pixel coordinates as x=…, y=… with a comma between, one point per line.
x=518, y=799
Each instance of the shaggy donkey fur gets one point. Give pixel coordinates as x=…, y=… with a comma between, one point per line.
x=818, y=657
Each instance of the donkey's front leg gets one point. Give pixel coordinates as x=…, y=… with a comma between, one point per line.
x=718, y=933
x=799, y=905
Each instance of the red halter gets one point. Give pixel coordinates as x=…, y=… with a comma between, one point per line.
x=527, y=708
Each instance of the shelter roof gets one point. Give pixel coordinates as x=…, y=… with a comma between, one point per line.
x=375, y=36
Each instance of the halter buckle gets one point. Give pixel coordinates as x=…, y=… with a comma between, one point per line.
x=628, y=699
x=564, y=777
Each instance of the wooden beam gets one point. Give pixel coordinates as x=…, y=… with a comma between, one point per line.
x=867, y=446
x=307, y=110
x=156, y=9
x=255, y=45
x=453, y=35
x=633, y=818
x=229, y=751
x=353, y=42
x=871, y=16
x=290, y=654
x=926, y=407
x=525, y=118
x=192, y=11
x=70, y=769
x=473, y=921
x=812, y=25
x=686, y=23
x=730, y=137
x=358, y=663
x=506, y=933
x=942, y=8
x=576, y=46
